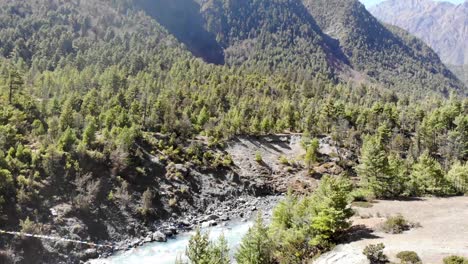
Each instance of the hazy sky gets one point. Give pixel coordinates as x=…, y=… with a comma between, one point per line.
x=369, y=3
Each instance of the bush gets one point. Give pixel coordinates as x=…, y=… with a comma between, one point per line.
x=395, y=225
x=283, y=160
x=29, y=227
x=455, y=260
x=374, y=254
x=258, y=157
x=409, y=257
x=147, y=203
x=362, y=195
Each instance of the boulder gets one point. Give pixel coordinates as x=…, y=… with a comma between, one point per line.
x=159, y=237
x=211, y=217
x=209, y=223
x=90, y=253
x=148, y=239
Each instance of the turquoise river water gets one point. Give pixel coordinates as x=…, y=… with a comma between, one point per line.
x=166, y=253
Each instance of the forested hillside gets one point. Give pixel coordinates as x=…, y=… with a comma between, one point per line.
x=108, y=116
x=387, y=54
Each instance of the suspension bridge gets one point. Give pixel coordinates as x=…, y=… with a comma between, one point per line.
x=21, y=234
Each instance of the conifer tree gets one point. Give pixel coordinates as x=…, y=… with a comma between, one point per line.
x=256, y=246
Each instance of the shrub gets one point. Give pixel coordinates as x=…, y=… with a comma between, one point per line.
x=29, y=227
x=409, y=257
x=362, y=195
x=455, y=260
x=227, y=161
x=258, y=157
x=395, y=225
x=147, y=202
x=374, y=254
x=283, y=160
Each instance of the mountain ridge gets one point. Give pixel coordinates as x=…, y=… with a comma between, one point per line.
x=443, y=25
x=284, y=34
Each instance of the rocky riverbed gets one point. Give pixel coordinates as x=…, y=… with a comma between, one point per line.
x=239, y=210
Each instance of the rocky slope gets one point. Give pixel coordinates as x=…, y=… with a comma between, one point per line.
x=199, y=197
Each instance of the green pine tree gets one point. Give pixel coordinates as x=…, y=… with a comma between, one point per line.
x=256, y=246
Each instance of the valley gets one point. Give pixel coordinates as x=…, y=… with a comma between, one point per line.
x=126, y=122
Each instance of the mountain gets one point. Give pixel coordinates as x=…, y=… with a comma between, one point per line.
x=461, y=71
x=330, y=37
x=442, y=25
x=387, y=54
x=118, y=117
x=334, y=39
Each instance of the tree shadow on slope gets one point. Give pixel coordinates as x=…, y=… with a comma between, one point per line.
x=357, y=233
x=183, y=20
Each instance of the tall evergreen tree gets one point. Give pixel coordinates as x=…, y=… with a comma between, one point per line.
x=256, y=246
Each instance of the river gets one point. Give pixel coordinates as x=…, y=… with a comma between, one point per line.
x=166, y=253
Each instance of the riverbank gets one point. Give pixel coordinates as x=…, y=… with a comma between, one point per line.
x=224, y=215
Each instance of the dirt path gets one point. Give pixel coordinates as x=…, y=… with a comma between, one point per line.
x=444, y=230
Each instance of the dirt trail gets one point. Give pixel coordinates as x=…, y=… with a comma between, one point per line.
x=444, y=231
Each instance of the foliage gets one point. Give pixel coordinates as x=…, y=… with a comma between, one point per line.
x=455, y=260
x=256, y=246
x=458, y=177
x=258, y=157
x=203, y=251
x=375, y=254
x=428, y=177
x=379, y=172
x=395, y=225
x=409, y=257
x=306, y=226
x=311, y=153
x=30, y=227
x=147, y=202
x=100, y=88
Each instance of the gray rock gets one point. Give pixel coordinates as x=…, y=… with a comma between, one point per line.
x=134, y=243
x=91, y=253
x=209, y=223
x=159, y=237
x=211, y=217
x=167, y=232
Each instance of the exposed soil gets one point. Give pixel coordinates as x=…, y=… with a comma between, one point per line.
x=443, y=231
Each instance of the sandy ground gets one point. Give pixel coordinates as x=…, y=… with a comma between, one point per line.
x=444, y=231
